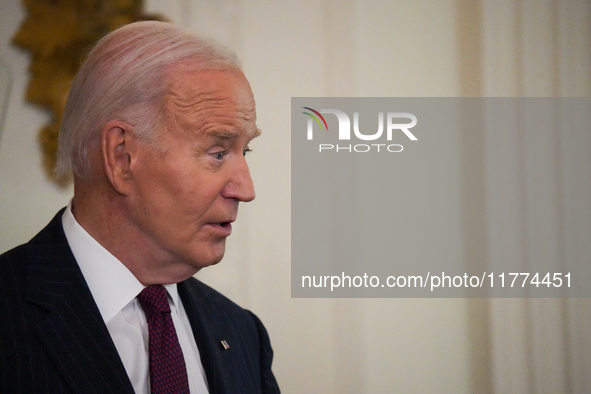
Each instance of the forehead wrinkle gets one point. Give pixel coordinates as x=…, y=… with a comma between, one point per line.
x=187, y=97
x=195, y=110
x=197, y=102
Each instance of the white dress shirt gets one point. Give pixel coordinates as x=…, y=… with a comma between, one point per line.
x=114, y=289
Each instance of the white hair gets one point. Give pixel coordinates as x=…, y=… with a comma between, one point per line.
x=124, y=78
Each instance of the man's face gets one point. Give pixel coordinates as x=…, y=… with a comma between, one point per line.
x=186, y=197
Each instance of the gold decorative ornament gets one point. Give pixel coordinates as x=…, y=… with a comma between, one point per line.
x=58, y=33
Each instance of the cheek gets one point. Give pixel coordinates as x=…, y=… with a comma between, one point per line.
x=177, y=190
x=166, y=179
x=185, y=199
x=155, y=193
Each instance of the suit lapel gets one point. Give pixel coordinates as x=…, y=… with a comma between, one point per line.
x=73, y=332
x=207, y=335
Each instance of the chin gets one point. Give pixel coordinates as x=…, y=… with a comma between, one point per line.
x=204, y=262
x=203, y=258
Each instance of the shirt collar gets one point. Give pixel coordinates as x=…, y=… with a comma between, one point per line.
x=112, y=284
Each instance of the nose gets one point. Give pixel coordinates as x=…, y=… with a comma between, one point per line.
x=240, y=185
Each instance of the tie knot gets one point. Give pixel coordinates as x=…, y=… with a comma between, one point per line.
x=153, y=299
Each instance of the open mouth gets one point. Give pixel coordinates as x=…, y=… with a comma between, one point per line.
x=225, y=228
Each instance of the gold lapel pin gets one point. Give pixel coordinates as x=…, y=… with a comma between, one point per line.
x=225, y=344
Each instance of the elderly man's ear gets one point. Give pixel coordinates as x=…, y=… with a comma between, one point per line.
x=119, y=148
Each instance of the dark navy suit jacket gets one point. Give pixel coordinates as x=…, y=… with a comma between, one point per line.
x=54, y=340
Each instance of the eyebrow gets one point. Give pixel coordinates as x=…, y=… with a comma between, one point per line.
x=226, y=134
x=221, y=134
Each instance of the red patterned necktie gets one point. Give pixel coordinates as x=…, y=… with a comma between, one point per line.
x=168, y=373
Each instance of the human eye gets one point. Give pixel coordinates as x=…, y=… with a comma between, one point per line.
x=246, y=150
x=217, y=153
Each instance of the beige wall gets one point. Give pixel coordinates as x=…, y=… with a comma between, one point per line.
x=314, y=48
x=27, y=199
